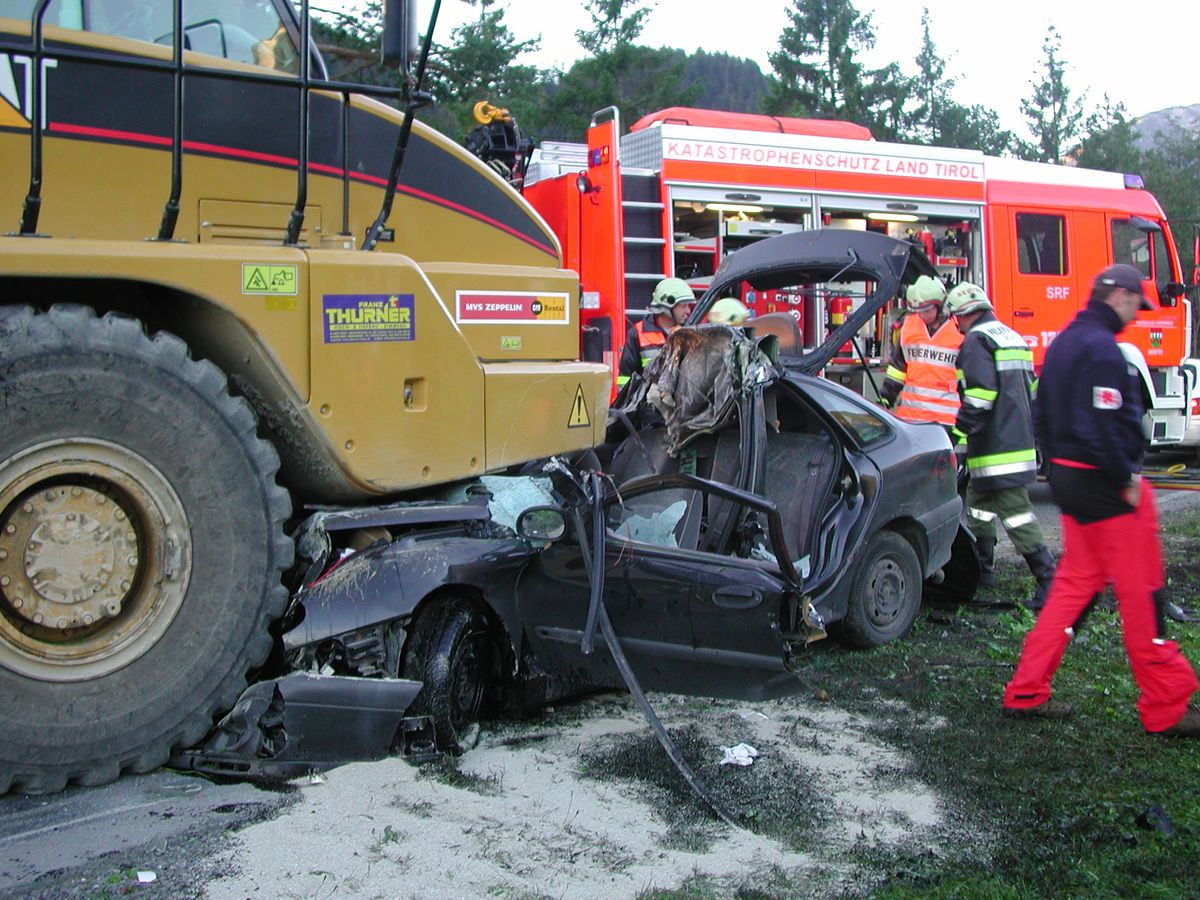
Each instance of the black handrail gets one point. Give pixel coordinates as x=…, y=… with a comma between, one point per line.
x=33, y=198
x=166, y=230
x=415, y=101
x=296, y=219
x=31, y=208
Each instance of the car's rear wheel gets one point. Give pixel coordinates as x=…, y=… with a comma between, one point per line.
x=453, y=653
x=885, y=592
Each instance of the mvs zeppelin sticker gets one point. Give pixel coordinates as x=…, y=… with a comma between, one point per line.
x=355, y=318
x=506, y=307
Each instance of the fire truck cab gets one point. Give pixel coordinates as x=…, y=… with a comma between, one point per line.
x=686, y=187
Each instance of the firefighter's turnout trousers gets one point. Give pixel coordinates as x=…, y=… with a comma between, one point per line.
x=1125, y=551
x=1011, y=508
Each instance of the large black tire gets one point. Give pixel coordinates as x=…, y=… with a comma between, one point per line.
x=885, y=592
x=452, y=651
x=141, y=547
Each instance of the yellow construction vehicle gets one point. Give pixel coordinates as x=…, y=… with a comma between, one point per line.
x=223, y=299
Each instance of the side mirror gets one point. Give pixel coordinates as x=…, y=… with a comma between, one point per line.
x=542, y=524
x=1169, y=293
x=400, y=34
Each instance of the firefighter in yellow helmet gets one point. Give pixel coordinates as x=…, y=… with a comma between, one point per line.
x=996, y=386
x=670, y=305
x=728, y=311
x=921, y=383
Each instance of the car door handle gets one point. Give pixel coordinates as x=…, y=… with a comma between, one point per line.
x=1023, y=313
x=737, y=597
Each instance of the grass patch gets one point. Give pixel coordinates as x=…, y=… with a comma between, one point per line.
x=770, y=797
x=1063, y=797
x=446, y=770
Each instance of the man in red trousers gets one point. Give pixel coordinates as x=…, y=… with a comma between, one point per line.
x=1088, y=419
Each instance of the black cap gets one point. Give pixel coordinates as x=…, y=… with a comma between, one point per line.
x=1123, y=276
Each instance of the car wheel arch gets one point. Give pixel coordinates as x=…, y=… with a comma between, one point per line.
x=497, y=628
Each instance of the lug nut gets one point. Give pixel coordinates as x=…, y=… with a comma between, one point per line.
x=76, y=492
x=124, y=585
x=100, y=498
x=38, y=618
x=88, y=618
x=132, y=560
x=3, y=554
x=28, y=507
x=17, y=602
x=10, y=528
x=119, y=515
x=5, y=581
x=112, y=608
x=62, y=624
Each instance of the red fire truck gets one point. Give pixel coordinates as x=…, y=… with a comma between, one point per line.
x=685, y=187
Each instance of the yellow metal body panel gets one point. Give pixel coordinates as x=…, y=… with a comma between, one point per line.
x=400, y=413
x=356, y=412
x=535, y=405
x=213, y=272
x=494, y=340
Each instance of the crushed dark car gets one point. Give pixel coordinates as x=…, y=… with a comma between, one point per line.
x=742, y=508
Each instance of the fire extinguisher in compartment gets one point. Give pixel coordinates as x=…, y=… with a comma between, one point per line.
x=839, y=308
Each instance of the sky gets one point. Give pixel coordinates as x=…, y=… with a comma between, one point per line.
x=1148, y=62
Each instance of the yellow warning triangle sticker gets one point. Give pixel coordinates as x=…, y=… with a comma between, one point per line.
x=256, y=281
x=579, y=411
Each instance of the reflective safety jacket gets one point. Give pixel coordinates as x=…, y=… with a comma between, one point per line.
x=924, y=370
x=996, y=384
x=642, y=344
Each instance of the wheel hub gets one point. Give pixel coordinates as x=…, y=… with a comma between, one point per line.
x=68, y=557
x=887, y=591
x=95, y=558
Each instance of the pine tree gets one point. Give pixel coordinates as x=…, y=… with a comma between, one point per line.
x=1055, y=117
x=1109, y=141
x=818, y=73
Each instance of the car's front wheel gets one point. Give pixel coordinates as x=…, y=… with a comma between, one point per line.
x=885, y=592
x=453, y=653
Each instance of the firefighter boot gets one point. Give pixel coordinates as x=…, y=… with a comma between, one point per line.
x=1041, y=564
x=986, y=548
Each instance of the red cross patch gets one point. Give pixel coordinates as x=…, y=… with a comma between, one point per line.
x=1106, y=398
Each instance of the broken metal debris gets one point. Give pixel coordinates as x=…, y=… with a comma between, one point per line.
x=291, y=726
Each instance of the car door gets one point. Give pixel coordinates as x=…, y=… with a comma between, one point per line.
x=690, y=621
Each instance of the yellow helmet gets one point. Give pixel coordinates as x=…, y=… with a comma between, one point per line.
x=728, y=311
x=925, y=291
x=669, y=293
x=966, y=298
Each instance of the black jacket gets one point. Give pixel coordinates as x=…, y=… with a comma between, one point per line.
x=995, y=383
x=1089, y=401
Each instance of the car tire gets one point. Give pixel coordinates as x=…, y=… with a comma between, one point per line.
x=885, y=592
x=141, y=547
x=452, y=652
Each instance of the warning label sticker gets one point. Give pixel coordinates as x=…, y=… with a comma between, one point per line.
x=505, y=307
x=356, y=318
x=258, y=278
x=579, y=417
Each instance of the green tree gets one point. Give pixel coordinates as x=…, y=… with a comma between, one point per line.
x=975, y=128
x=615, y=23
x=479, y=63
x=818, y=72
x=1110, y=141
x=1054, y=115
x=1171, y=169
x=634, y=78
